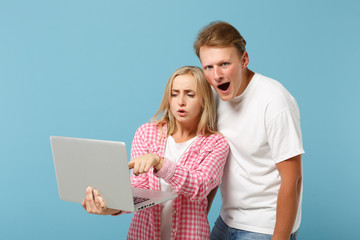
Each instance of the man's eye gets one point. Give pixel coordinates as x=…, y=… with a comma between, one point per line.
x=224, y=64
x=208, y=67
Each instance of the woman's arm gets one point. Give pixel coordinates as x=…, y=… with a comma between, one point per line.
x=198, y=182
x=139, y=148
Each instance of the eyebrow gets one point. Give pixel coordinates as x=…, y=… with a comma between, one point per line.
x=217, y=63
x=186, y=90
x=207, y=65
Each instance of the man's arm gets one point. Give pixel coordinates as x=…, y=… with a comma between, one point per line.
x=288, y=197
x=210, y=198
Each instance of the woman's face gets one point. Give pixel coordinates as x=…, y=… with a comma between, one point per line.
x=185, y=104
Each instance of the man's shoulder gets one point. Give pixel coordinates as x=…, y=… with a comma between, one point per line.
x=268, y=83
x=272, y=90
x=275, y=98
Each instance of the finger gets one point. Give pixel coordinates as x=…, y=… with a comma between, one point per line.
x=131, y=164
x=147, y=167
x=102, y=203
x=88, y=198
x=83, y=204
x=96, y=197
x=99, y=200
x=89, y=193
x=99, y=203
x=90, y=203
x=136, y=168
x=141, y=166
x=88, y=207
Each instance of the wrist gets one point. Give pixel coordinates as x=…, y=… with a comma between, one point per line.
x=160, y=163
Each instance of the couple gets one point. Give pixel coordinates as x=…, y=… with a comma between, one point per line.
x=185, y=150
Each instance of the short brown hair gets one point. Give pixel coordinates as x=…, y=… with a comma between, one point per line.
x=220, y=34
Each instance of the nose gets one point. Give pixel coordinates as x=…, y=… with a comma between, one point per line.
x=182, y=100
x=218, y=76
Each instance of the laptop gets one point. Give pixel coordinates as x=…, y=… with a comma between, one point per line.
x=80, y=163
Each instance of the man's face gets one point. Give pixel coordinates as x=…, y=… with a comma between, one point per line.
x=223, y=70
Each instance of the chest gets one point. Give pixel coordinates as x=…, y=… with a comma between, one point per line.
x=243, y=124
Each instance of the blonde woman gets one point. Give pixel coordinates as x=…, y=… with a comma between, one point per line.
x=180, y=151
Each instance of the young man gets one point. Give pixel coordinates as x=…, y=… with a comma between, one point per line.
x=262, y=183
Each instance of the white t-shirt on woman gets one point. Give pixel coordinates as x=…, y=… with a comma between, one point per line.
x=173, y=151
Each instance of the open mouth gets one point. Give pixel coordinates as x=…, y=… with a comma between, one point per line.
x=224, y=86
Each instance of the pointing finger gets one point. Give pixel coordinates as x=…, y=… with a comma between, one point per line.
x=131, y=164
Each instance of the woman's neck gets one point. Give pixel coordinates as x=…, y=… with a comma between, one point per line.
x=183, y=134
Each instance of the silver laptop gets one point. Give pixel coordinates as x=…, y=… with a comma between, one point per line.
x=80, y=163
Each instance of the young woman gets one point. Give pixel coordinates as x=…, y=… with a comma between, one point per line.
x=179, y=151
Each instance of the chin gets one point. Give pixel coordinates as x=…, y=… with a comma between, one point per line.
x=225, y=97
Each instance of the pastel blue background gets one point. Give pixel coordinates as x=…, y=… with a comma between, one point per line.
x=97, y=69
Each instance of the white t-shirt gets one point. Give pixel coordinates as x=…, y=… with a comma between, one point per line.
x=262, y=126
x=173, y=151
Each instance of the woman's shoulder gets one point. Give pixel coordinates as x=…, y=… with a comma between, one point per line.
x=148, y=129
x=215, y=138
x=148, y=126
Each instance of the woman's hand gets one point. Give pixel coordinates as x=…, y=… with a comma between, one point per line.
x=95, y=204
x=144, y=163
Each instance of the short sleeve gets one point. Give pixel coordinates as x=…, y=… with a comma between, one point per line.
x=284, y=134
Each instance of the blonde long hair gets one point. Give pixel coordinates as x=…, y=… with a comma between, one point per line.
x=207, y=122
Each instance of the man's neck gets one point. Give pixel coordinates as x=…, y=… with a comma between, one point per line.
x=247, y=75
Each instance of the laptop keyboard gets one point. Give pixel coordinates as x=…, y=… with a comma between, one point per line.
x=140, y=199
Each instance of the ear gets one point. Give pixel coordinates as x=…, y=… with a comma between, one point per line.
x=244, y=60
